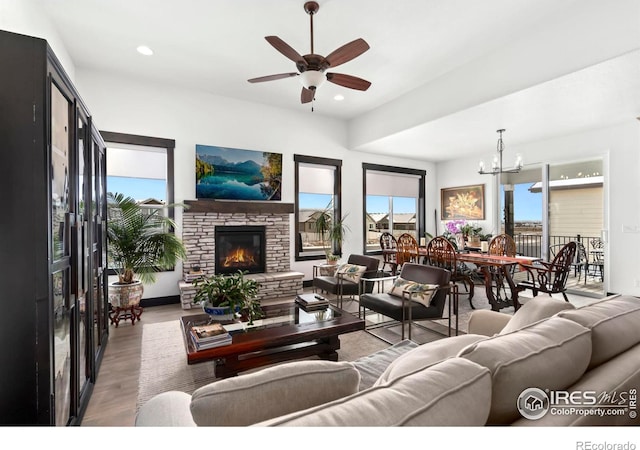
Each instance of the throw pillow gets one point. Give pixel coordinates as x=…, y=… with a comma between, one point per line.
x=350, y=272
x=419, y=292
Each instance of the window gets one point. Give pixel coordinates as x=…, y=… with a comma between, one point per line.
x=317, y=195
x=393, y=202
x=140, y=167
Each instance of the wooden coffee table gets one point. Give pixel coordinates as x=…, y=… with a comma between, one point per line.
x=287, y=332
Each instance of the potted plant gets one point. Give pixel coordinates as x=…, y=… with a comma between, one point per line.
x=331, y=233
x=222, y=296
x=140, y=242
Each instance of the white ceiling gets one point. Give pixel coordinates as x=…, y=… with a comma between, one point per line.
x=216, y=45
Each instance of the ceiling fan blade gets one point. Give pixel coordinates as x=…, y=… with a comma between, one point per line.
x=278, y=76
x=349, y=81
x=286, y=49
x=307, y=95
x=347, y=52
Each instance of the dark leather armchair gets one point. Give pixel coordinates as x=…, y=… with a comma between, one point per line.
x=340, y=286
x=405, y=310
x=550, y=277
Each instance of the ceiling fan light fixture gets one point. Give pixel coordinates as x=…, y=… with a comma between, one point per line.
x=312, y=78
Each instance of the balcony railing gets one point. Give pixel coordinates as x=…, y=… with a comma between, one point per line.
x=531, y=244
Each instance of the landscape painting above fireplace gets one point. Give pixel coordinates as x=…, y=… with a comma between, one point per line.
x=236, y=174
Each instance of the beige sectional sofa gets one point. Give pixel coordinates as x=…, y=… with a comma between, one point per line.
x=576, y=357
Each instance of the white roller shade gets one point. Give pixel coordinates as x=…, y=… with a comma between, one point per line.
x=392, y=184
x=142, y=162
x=316, y=179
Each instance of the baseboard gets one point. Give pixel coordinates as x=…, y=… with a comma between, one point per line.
x=159, y=301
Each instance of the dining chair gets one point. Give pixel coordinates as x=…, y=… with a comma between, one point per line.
x=581, y=262
x=389, y=247
x=501, y=245
x=550, y=277
x=441, y=253
x=407, y=249
x=596, y=265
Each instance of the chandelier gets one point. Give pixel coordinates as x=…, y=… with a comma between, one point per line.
x=496, y=165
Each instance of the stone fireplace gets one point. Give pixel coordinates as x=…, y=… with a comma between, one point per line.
x=204, y=221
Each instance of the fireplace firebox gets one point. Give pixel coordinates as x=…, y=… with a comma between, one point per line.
x=240, y=248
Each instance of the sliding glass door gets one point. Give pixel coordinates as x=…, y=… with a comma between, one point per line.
x=543, y=208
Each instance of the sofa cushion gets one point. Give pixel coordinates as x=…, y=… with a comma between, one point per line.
x=536, y=309
x=614, y=324
x=453, y=392
x=550, y=354
x=613, y=382
x=426, y=355
x=272, y=392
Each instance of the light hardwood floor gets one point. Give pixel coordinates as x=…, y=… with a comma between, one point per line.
x=113, y=402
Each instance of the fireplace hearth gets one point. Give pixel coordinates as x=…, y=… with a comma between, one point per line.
x=239, y=248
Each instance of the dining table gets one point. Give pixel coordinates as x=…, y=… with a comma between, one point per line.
x=497, y=271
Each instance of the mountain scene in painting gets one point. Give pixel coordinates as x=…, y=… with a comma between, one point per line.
x=235, y=174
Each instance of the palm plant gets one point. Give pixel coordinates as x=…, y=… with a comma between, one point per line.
x=331, y=232
x=139, y=240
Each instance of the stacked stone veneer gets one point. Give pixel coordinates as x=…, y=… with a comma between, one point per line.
x=198, y=236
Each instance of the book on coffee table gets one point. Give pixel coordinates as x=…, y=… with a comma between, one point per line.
x=211, y=330
x=312, y=301
x=209, y=336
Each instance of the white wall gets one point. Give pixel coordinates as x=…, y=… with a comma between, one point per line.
x=570, y=40
x=195, y=117
x=619, y=146
x=23, y=17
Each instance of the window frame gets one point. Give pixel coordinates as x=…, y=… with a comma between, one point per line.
x=169, y=145
x=337, y=206
x=420, y=213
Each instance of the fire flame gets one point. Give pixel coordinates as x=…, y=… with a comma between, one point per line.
x=239, y=256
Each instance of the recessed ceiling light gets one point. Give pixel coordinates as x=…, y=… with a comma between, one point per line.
x=144, y=50
x=339, y=97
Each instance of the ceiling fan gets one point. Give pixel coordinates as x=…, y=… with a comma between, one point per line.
x=312, y=67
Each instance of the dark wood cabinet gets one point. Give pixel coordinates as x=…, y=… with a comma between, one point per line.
x=53, y=307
